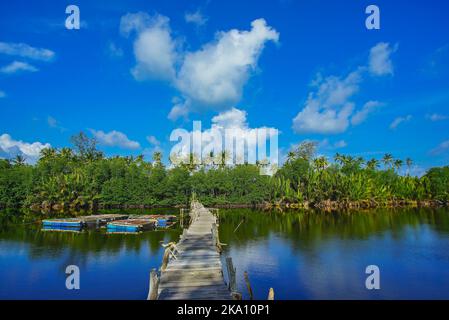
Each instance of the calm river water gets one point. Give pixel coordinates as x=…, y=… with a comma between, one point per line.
x=302, y=255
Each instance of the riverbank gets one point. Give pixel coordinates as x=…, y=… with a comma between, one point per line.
x=327, y=205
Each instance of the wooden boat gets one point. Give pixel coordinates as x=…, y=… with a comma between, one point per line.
x=131, y=225
x=61, y=223
x=79, y=222
x=62, y=229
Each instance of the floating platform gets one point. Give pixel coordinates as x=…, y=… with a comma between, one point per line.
x=80, y=222
x=62, y=229
x=163, y=221
x=131, y=225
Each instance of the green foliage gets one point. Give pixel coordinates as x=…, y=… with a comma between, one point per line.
x=83, y=177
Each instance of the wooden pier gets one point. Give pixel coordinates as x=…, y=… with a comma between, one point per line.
x=192, y=269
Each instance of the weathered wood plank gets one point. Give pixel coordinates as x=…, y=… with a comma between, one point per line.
x=196, y=273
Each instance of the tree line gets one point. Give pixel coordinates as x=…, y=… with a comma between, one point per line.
x=83, y=178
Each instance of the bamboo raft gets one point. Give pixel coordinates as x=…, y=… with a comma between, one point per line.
x=192, y=269
x=79, y=222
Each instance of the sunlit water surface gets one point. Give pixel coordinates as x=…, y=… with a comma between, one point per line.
x=302, y=255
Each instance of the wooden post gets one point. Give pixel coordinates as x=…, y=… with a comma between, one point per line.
x=231, y=274
x=248, y=285
x=165, y=259
x=271, y=294
x=154, y=285
x=181, y=218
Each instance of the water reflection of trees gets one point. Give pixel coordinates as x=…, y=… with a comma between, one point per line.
x=305, y=228
x=78, y=246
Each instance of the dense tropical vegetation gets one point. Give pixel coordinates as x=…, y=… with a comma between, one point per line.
x=83, y=177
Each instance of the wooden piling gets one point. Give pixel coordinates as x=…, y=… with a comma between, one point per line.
x=154, y=285
x=248, y=285
x=165, y=259
x=271, y=294
x=231, y=274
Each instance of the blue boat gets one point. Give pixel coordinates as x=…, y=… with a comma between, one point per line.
x=130, y=225
x=61, y=228
x=63, y=223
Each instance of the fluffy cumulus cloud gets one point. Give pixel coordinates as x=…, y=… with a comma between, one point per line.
x=329, y=108
x=216, y=74
x=361, y=115
x=379, y=59
x=17, y=66
x=397, y=121
x=10, y=148
x=197, y=18
x=26, y=51
x=114, y=139
x=211, y=77
x=154, y=47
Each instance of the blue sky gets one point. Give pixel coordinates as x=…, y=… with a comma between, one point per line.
x=136, y=70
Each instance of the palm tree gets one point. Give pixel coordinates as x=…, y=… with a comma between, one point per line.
x=372, y=164
x=339, y=158
x=223, y=158
x=320, y=163
x=66, y=153
x=157, y=157
x=398, y=164
x=291, y=156
x=47, y=153
x=19, y=160
x=409, y=163
x=387, y=160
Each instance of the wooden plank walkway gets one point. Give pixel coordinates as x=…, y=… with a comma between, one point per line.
x=192, y=269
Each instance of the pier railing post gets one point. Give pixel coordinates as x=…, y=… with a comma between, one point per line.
x=271, y=294
x=154, y=285
x=165, y=259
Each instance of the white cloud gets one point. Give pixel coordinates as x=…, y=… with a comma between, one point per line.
x=396, y=122
x=115, y=139
x=26, y=51
x=9, y=148
x=196, y=18
x=327, y=110
x=53, y=123
x=436, y=117
x=115, y=51
x=380, y=59
x=17, y=66
x=327, y=145
x=215, y=74
x=329, y=107
x=361, y=115
x=340, y=144
x=212, y=77
x=153, y=141
x=441, y=148
x=2, y=94
x=233, y=118
x=154, y=48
